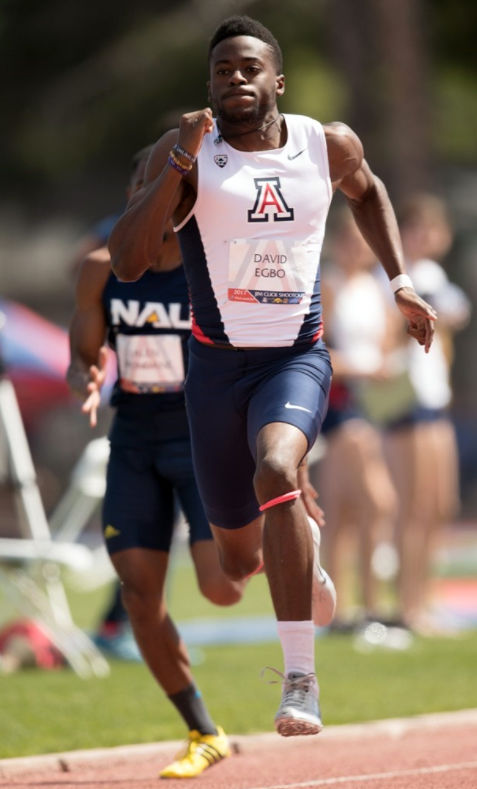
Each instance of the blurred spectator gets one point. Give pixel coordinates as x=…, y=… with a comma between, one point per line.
x=420, y=441
x=355, y=488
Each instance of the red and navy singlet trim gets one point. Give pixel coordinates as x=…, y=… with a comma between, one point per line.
x=207, y=325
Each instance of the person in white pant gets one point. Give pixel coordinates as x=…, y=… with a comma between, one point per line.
x=420, y=441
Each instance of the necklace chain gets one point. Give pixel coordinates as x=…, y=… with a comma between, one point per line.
x=220, y=136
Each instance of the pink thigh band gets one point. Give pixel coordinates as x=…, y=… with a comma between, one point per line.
x=292, y=494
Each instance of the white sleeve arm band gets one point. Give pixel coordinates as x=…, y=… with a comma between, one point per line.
x=401, y=281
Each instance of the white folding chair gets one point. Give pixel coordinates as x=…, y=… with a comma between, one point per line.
x=30, y=567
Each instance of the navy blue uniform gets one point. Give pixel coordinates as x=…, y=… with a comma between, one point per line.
x=234, y=393
x=251, y=246
x=148, y=327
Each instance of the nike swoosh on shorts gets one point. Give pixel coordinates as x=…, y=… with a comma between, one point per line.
x=297, y=407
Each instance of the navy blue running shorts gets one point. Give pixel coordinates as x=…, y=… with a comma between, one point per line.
x=230, y=396
x=139, y=508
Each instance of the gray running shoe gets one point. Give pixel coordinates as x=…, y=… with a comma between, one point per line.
x=324, y=592
x=299, y=711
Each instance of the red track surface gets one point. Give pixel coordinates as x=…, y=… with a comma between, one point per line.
x=428, y=752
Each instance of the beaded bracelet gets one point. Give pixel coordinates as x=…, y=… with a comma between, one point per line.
x=180, y=160
x=175, y=164
x=182, y=152
x=182, y=167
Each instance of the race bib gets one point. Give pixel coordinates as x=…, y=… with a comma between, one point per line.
x=150, y=363
x=267, y=271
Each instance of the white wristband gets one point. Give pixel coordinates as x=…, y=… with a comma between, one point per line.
x=401, y=281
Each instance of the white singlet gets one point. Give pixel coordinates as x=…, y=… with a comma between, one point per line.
x=252, y=242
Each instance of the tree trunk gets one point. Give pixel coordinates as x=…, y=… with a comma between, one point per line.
x=381, y=50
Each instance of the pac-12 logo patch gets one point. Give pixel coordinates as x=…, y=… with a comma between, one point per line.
x=221, y=159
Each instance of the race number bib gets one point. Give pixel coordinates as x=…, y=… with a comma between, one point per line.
x=267, y=271
x=150, y=363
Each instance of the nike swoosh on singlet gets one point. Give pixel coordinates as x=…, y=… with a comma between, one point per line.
x=295, y=155
x=297, y=407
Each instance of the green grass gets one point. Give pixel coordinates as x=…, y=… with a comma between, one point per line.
x=55, y=711
x=44, y=712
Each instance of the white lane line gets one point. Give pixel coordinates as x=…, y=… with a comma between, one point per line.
x=439, y=768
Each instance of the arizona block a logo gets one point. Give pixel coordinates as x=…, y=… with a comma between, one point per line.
x=269, y=202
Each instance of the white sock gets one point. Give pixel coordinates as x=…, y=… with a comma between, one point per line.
x=298, y=645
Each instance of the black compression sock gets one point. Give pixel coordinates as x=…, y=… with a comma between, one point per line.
x=190, y=706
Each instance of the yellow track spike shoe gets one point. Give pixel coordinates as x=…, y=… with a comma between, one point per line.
x=201, y=752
